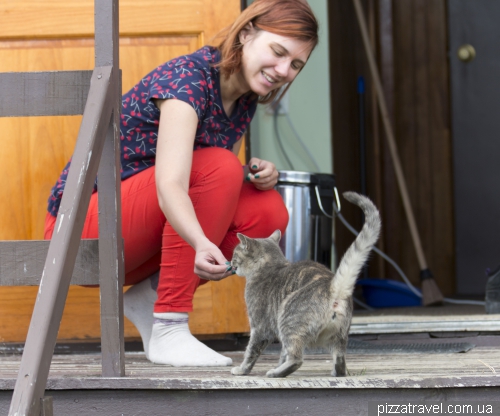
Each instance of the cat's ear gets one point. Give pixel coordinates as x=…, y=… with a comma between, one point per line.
x=276, y=236
x=243, y=239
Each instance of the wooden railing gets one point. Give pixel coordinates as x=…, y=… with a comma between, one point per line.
x=96, y=94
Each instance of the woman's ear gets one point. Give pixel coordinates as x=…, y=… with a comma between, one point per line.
x=246, y=33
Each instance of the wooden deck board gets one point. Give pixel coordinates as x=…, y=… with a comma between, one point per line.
x=431, y=319
x=479, y=367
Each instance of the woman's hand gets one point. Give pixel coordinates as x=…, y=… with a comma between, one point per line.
x=263, y=174
x=210, y=263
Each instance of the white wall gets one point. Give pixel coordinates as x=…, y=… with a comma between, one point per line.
x=309, y=111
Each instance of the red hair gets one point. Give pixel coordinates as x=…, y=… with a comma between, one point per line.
x=290, y=18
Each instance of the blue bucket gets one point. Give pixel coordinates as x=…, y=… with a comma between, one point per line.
x=386, y=293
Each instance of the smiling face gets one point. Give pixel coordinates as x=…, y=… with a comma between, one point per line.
x=269, y=61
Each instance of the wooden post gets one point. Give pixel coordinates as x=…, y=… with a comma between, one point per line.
x=46, y=406
x=111, y=264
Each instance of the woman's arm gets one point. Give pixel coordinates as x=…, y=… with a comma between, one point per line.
x=174, y=153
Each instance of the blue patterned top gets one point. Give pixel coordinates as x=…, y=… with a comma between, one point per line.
x=190, y=78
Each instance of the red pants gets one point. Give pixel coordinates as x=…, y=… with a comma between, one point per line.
x=224, y=206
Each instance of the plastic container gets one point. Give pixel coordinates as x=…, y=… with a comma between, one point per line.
x=386, y=293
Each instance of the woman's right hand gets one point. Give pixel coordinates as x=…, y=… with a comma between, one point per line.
x=210, y=263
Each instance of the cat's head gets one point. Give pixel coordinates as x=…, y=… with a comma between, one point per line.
x=253, y=254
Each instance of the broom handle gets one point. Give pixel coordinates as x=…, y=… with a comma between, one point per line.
x=390, y=137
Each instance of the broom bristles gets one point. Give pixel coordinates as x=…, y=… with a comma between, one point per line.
x=431, y=295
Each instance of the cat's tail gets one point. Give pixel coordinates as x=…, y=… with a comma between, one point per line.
x=356, y=255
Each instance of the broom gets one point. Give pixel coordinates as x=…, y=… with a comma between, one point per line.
x=431, y=295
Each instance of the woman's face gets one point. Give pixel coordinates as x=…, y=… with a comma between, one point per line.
x=269, y=61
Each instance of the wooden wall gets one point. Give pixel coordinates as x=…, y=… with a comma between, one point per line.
x=410, y=39
x=58, y=35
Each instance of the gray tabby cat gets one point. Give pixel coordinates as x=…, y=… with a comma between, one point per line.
x=302, y=304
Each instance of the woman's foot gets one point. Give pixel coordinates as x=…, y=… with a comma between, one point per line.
x=138, y=304
x=172, y=343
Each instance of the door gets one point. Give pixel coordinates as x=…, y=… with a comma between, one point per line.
x=58, y=35
x=475, y=99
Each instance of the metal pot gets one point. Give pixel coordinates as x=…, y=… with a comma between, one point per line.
x=309, y=199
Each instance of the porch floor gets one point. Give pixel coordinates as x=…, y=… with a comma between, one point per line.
x=480, y=366
x=148, y=389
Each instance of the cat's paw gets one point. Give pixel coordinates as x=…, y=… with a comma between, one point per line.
x=238, y=371
x=273, y=373
x=338, y=373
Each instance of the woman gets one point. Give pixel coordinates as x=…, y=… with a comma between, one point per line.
x=184, y=192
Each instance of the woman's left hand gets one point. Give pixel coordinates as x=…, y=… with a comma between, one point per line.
x=263, y=174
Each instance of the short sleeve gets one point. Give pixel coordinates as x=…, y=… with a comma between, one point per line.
x=182, y=79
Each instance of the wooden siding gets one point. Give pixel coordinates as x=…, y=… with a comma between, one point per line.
x=411, y=44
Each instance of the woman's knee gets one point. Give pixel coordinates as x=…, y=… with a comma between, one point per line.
x=268, y=213
x=219, y=165
x=217, y=159
x=275, y=212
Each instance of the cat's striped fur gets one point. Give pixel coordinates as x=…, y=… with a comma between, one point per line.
x=301, y=304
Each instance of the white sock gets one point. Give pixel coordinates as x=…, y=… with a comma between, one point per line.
x=138, y=304
x=172, y=343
